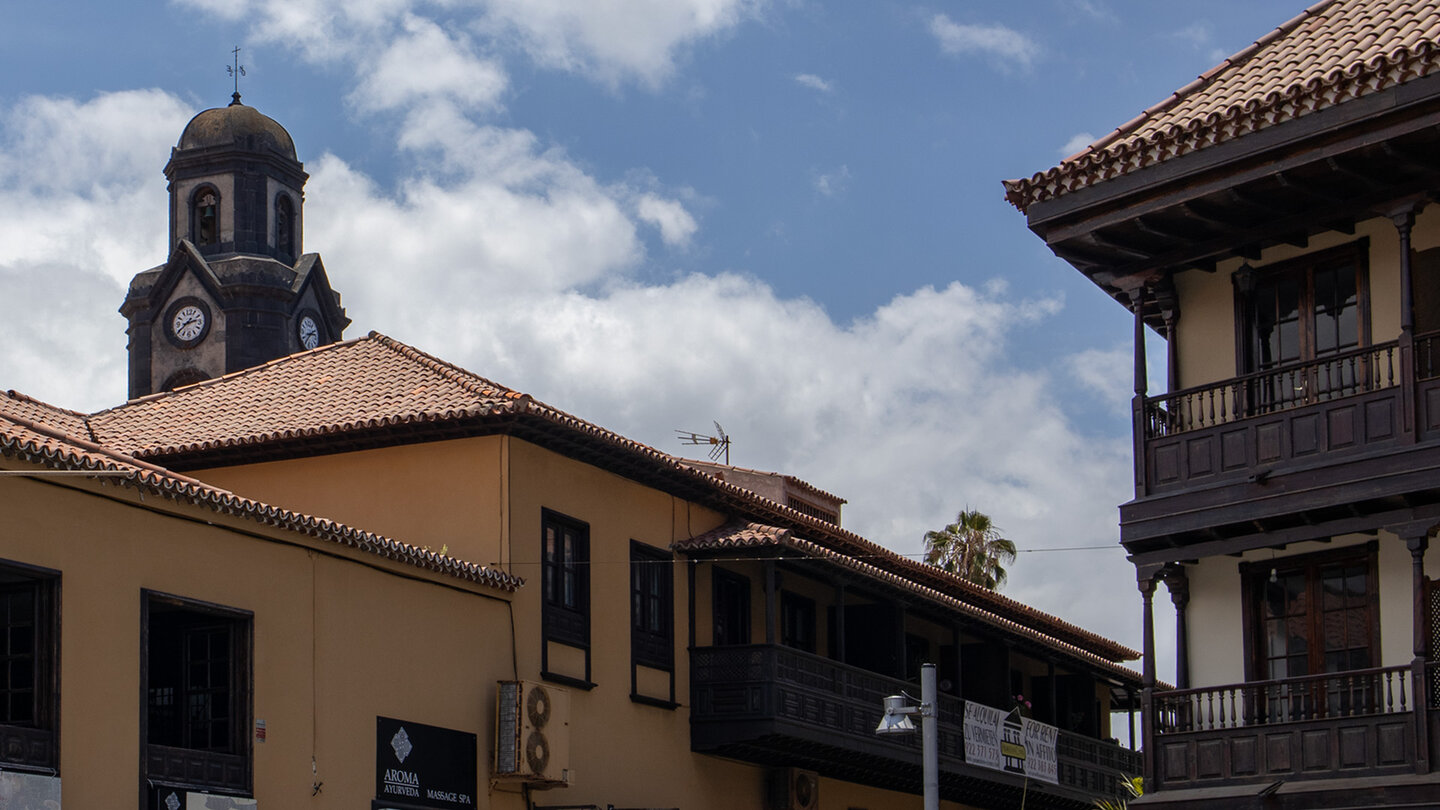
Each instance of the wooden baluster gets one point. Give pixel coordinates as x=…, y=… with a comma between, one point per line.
x=1401, y=680
x=1210, y=397
x=1209, y=710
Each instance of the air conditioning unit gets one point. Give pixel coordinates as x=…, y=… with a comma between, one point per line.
x=532, y=732
x=794, y=789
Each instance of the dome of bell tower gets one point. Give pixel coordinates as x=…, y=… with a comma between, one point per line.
x=239, y=127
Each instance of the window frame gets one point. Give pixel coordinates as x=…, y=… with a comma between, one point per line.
x=721, y=581
x=165, y=765
x=1255, y=576
x=652, y=646
x=565, y=620
x=1247, y=360
x=41, y=735
x=799, y=622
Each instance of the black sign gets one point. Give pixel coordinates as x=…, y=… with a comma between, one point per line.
x=423, y=766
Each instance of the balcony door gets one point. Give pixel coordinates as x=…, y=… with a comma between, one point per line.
x=1314, y=614
x=1297, y=314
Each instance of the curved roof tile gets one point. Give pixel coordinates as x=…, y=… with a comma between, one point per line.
x=1332, y=52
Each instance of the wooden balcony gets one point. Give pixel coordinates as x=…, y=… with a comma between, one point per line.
x=1363, y=723
x=777, y=706
x=1348, y=436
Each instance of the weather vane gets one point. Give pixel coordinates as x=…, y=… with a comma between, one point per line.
x=719, y=443
x=236, y=71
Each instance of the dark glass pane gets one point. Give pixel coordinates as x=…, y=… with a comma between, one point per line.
x=1298, y=631
x=22, y=674
x=1326, y=312
x=22, y=640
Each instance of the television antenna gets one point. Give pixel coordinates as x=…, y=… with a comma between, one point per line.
x=719, y=443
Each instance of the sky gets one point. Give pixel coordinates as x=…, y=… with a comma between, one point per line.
x=784, y=216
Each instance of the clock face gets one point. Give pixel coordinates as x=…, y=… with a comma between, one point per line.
x=188, y=323
x=309, y=332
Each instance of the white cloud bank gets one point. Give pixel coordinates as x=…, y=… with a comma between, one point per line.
x=814, y=82
x=1006, y=47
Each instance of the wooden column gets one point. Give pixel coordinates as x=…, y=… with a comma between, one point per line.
x=1169, y=304
x=1137, y=405
x=1130, y=711
x=1147, y=694
x=770, y=607
x=690, y=586
x=899, y=633
x=959, y=663
x=1054, y=694
x=1418, y=542
x=839, y=628
x=1404, y=222
x=1179, y=586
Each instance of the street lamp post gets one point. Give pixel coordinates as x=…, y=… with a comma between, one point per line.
x=897, y=721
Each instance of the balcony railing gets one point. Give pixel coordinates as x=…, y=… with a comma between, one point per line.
x=1358, y=693
x=773, y=704
x=1372, y=368
x=1358, y=723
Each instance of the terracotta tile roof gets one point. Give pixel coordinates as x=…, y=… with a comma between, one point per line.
x=34, y=433
x=939, y=585
x=372, y=382
x=376, y=384
x=1332, y=52
x=800, y=484
x=742, y=536
x=14, y=403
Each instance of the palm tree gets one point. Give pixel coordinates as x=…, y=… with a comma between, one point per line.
x=973, y=548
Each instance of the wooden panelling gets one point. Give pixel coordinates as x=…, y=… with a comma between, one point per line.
x=1307, y=435
x=1367, y=746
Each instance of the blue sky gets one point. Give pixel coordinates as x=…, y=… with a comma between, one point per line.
x=782, y=215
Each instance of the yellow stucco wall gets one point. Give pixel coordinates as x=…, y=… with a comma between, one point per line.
x=447, y=494
x=333, y=648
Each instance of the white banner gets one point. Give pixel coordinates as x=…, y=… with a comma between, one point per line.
x=1009, y=742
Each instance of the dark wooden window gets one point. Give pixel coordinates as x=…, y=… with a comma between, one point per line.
x=1316, y=613
x=1308, y=308
x=206, y=216
x=565, y=573
x=731, y=608
x=652, y=607
x=196, y=682
x=797, y=621
x=29, y=652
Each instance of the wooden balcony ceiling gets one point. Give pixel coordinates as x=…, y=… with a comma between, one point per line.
x=1324, y=120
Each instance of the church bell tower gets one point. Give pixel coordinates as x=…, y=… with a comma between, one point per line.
x=237, y=290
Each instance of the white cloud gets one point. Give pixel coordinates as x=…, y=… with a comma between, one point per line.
x=814, y=82
x=1197, y=35
x=1107, y=373
x=614, y=40
x=834, y=182
x=1010, y=47
x=675, y=223
x=1078, y=141
x=426, y=64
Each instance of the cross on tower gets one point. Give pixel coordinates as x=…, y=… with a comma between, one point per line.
x=236, y=71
